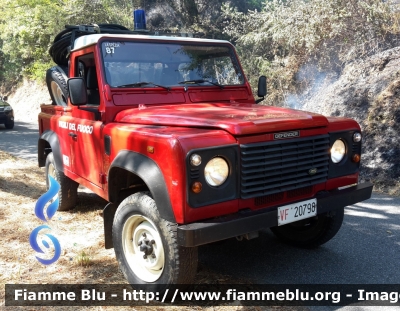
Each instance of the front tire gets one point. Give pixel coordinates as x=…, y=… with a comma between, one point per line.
x=9, y=125
x=311, y=232
x=146, y=245
x=68, y=192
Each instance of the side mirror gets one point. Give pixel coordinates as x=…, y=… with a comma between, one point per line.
x=262, y=88
x=5, y=98
x=77, y=91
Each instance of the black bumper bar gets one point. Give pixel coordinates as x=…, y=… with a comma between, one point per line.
x=245, y=222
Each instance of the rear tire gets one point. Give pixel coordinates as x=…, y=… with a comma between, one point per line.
x=146, y=245
x=57, y=85
x=311, y=232
x=68, y=192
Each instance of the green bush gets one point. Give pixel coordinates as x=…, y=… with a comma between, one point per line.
x=28, y=27
x=26, y=30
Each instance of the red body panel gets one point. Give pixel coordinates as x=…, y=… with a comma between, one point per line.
x=237, y=119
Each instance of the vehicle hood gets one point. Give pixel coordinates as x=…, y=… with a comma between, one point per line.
x=3, y=104
x=237, y=119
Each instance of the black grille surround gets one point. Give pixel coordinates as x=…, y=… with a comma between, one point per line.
x=279, y=166
x=210, y=194
x=346, y=166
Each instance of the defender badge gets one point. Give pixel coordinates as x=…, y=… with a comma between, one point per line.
x=286, y=135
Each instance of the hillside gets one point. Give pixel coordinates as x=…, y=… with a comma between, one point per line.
x=368, y=91
x=26, y=100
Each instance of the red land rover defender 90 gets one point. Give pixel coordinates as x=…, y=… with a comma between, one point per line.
x=166, y=129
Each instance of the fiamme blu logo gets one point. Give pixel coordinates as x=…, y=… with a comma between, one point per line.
x=38, y=243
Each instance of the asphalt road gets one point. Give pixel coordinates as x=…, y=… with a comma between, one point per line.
x=21, y=141
x=365, y=251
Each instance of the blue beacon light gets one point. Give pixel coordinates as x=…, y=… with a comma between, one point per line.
x=139, y=19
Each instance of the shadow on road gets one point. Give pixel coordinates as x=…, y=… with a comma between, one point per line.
x=365, y=251
x=21, y=141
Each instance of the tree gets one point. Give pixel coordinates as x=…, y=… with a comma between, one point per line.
x=28, y=27
x=26, y=33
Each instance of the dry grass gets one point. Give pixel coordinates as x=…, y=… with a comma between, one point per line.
x=80, y=232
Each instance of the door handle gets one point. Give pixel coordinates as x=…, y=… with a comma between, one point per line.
x=73, y=135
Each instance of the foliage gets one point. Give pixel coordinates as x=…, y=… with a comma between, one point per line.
x=26, y=32
x=193, y=15
x=286, y=35
x=27, y=27
x=8, y=69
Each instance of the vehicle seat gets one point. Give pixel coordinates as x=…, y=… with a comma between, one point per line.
x=170, y=76
x=92, y=87
x=196, y=74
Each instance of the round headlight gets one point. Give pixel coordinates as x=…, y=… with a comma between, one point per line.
x=216, y=171
x=7, y=108
x=195, y=159
x=338, y=151
x=356, y=137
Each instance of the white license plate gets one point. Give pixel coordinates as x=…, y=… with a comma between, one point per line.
x=297, y=211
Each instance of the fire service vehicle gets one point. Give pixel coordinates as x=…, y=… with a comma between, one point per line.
x=167, y=130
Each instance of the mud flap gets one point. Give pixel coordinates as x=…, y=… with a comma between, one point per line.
x=108, y=217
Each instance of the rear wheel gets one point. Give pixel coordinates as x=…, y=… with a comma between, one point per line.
x=68, y=192
x=146, y=245
x=311, y=232
x=57, y=85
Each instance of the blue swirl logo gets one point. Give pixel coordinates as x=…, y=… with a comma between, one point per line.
x=50, y=196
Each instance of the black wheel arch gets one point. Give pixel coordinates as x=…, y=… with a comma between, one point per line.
x=149, y=172
x=49, y=139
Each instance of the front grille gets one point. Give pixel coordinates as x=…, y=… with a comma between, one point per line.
x=298, y=192
x=267, y=199
x=279, y=166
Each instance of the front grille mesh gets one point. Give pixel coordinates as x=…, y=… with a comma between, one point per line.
x=279, y=166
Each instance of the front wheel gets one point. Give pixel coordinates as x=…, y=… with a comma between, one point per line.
x=311, y=232
x=146, y=245
x=9, y=125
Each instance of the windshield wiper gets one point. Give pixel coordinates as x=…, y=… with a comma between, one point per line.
x=140, y=84
x=201, y=81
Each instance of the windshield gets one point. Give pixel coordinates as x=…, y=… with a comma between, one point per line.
x=169, y=64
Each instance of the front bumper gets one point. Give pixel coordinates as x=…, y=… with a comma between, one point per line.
x=245, y=222
x=6, y=117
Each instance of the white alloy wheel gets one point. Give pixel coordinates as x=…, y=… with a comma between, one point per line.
x=58, y=94
x=146, y=245
x=143, y=248
x=56, y=81
x=52, y=171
